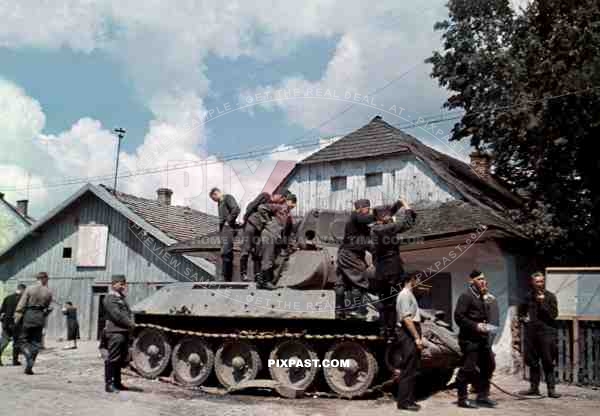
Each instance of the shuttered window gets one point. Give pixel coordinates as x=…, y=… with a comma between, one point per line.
x=338, y=183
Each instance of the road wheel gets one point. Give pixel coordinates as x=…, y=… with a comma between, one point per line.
x=236, y=362
x=192, y=361
x=294, y=375
x=355, y=379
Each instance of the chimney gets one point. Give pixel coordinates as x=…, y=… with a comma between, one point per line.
x=22, y=207
x=480, y=163
x=164, y=196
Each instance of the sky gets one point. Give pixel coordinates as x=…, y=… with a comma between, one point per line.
x=195, y=83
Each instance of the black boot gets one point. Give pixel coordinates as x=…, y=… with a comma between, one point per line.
x=340, y=297
x=15, y=356
x=244, y=268
x=551, y=383
x=28, y=361
x=264, y=280
x=117, y=378
x=463, y=395
x=109, y=381
x=534, y=383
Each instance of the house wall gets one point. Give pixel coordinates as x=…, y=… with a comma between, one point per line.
x=10, y=225
x=500, y=267
x=140, y=257
x=402, y=175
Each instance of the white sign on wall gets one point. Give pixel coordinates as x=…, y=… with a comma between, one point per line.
x=92, y=242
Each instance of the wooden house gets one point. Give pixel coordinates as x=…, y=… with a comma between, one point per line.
x=96, y=233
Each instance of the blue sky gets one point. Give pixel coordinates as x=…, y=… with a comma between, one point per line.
x=71, y=71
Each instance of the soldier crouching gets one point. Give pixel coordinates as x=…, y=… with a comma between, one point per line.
x=115, y=337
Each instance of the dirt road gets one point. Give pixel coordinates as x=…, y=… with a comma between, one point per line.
x=69, y=382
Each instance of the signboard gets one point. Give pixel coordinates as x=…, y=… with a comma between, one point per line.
x=92, y=242
x=577, y=290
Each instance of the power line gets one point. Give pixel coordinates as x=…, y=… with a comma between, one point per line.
x=270, y=150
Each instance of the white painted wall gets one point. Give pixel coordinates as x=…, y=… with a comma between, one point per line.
x=403, y=175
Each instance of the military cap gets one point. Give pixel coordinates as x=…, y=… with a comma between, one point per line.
x=475, y=273
x=291, y=197
x=117, y=278
x=362, y=203
x=381, y=211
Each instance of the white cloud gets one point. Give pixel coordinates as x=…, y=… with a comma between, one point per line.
x=163, y=46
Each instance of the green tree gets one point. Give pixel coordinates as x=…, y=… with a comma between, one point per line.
x=530, y=89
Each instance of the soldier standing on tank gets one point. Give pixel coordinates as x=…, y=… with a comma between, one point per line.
x=115, y=337
x=277, y=219
x=351, y=263
x=408, y=330
x=10, y=331
x=31, y=313
x=539, y=314
x=228, y=213
x=472, y=316
x=389, y=270
x=253, y=227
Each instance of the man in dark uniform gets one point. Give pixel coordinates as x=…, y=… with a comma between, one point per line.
x=10, y=332
x=253, y=227
x=389, y=270
x=115, y=337
x=472, y=317
x=228, y=213
x=277, y=219
x=351, y=263
x=539, y=314
x=31, y=313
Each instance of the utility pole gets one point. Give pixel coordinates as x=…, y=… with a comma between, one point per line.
x=120, y=134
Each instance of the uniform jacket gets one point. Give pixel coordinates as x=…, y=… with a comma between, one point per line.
x=542, y=315
x=386, y=241
x=263, y=198
x=471, y=309
x=357, y=233
x=7, y=311
x=228, y=211
x=34, y=306
x=276, y=212
x=118, y=314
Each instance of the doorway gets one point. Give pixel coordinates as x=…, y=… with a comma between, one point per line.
x=98, y=315
x=437, y=295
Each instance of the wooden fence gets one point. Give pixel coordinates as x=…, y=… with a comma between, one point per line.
x=578, y=358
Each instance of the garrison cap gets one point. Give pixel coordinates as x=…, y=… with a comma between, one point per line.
x=381, y=211
x=117, y=278
x=362, y=203
x=475, y=274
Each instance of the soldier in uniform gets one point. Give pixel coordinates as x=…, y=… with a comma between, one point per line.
x=351, y=263
x=253, y=226
x=277, y=219
x=31, y=313
x=10, y=331
x=411, y=344
x=115, y=337
x=228, y=213
x=472, y=317
x=389, y=270
x=539, y=314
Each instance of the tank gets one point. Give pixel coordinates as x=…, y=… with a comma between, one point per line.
x=232, y=334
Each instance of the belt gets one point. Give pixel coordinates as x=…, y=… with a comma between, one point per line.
x=36, y=308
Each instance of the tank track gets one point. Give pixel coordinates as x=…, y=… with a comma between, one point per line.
x=264, y=335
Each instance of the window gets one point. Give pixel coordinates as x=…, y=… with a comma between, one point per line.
x=338, y=183
x=374, y=179
x=67, y=252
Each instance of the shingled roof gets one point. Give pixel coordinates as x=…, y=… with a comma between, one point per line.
x=380, y=139
x=178, y=222
x=433, y=222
